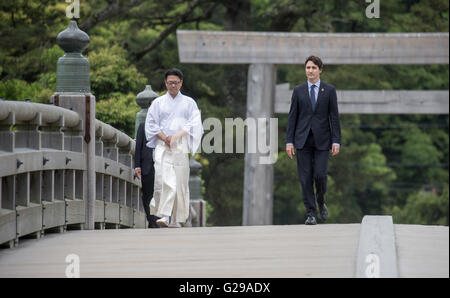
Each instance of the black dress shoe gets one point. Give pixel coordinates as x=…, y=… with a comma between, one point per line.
x=153, y=225
x=152, y=222
x=323, y=211
x=311, y=220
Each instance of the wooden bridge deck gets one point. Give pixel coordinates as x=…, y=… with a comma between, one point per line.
x=252, y=251
x=327, y=250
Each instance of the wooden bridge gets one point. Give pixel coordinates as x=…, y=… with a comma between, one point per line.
x=324, y=250
x=62, y=168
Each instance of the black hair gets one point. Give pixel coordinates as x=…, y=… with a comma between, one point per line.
x=173, y=72
x=316, y=60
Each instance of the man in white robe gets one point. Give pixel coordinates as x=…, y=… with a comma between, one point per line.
x=174, y=128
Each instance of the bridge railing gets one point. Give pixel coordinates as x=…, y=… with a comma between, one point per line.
x=42, y=173
x=117, y=189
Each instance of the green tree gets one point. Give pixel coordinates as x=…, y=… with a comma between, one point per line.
x=425, y=208
x=119, y=111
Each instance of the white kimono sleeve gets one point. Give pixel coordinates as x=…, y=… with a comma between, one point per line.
x=152, y=124
x=194, y=128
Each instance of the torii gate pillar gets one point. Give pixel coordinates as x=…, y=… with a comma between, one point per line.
x=258, y=178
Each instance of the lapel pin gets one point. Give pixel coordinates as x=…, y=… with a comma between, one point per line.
x=322, y=89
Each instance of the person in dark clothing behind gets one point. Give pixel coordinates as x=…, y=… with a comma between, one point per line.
x=143, y=167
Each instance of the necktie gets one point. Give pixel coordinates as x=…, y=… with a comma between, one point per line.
x=312, y=97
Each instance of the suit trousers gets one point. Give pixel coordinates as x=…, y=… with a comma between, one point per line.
x=147, y=192
x=312, y=166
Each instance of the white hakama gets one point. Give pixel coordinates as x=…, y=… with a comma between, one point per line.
x=171, y=192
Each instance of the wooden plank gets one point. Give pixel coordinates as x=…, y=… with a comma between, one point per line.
x=225, y=47
x=422, y=251
x=54, y=214
x=29, y=219
x=8, y=225
x=75, y=211
x=377, y=101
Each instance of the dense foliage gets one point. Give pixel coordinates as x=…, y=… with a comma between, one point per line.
x=389, y=164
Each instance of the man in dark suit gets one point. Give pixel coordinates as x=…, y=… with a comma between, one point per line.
x=313, y=129
x=143, y=164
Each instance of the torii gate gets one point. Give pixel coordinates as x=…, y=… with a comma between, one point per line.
x=263, y=50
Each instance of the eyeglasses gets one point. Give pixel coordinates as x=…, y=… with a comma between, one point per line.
x=173, y=82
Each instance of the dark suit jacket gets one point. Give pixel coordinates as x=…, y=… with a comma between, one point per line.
x=324, y=121
x=143, y=155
